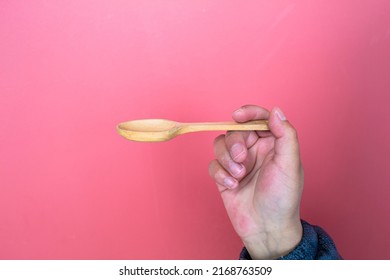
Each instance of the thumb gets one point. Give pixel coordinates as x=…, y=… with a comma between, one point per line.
x=286, y=144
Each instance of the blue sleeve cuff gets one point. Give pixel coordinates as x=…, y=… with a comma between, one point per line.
x=316, y=244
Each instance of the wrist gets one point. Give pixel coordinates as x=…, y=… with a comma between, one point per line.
x=274, y=243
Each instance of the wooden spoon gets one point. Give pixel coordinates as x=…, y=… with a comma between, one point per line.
x=158, y=130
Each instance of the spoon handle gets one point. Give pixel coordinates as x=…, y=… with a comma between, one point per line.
x=209, y=126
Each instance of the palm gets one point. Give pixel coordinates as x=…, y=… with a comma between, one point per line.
x=264, y=194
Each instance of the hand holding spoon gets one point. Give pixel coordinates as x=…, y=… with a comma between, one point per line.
x=158, y=130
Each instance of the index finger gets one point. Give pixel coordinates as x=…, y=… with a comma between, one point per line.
x=250, y=112
x=238, y=142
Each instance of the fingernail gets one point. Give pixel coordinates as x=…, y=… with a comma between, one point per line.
x=236, y=169
x=280, y=114
x=229, y=182
x=237, y=150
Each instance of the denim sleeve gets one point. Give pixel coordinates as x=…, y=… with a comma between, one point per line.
x=316, y=244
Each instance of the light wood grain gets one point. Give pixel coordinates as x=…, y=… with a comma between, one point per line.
x=158, y=130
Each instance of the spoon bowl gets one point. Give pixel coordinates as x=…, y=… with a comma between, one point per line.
x=148, y=130
x=158, y=130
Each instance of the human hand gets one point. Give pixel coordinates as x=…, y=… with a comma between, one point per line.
x=260, y=178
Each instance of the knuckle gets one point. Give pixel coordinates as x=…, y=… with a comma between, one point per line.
x=212, y=168
x=216, y=172
x=224, y=159
x=233, y=137
x=230, y=136
x=248, y=106
x=218, y=139
x=218, y=144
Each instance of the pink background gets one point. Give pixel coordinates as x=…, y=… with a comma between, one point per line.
x=72, y=188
